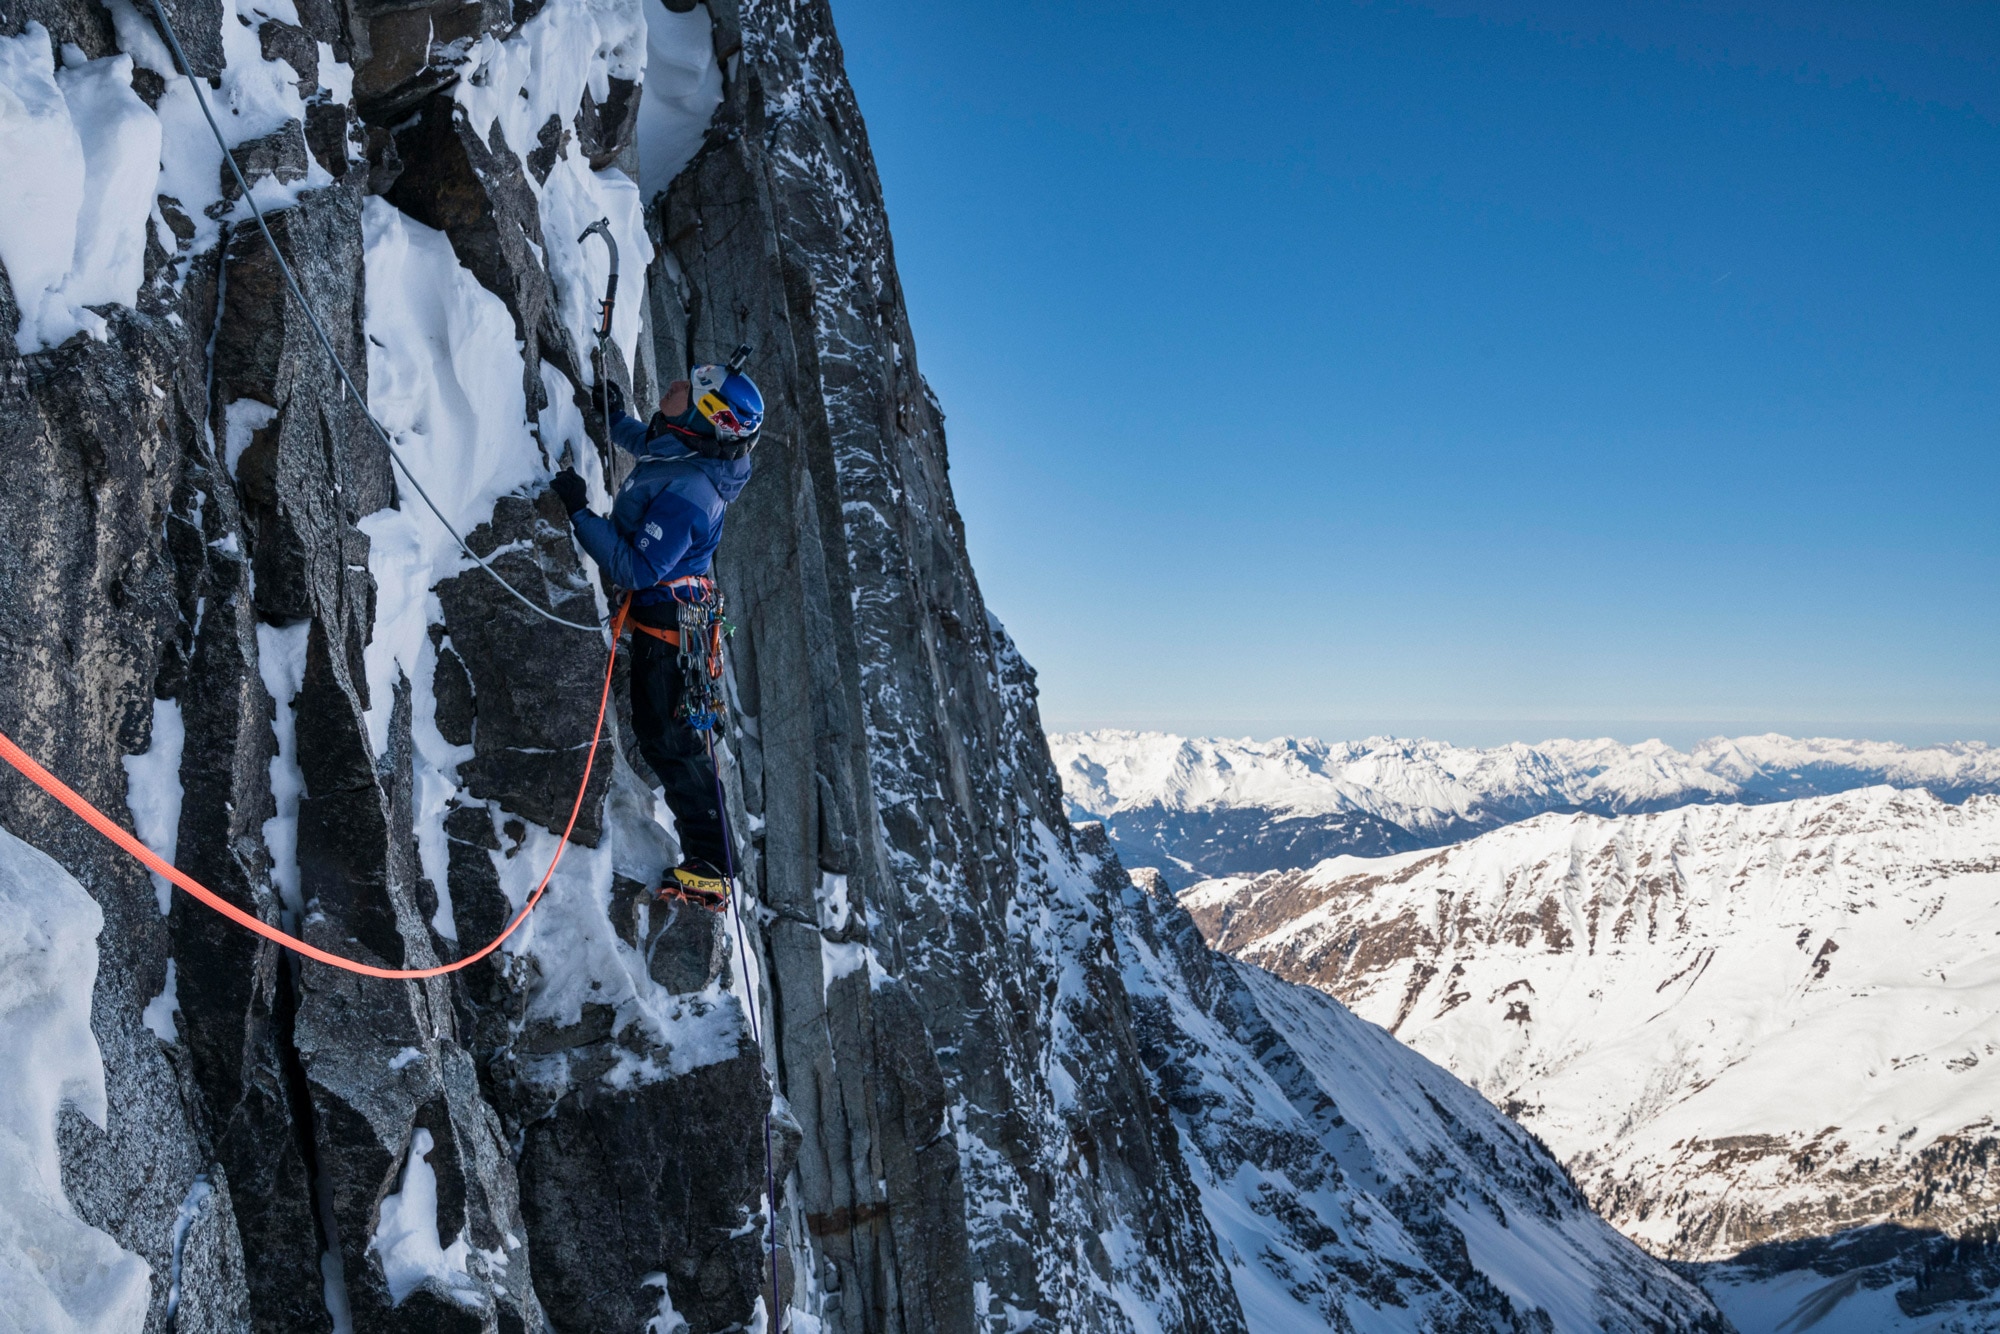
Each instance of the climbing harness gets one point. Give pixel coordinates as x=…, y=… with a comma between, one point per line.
x=110, y=828
x=709, y=893
x=292, y=282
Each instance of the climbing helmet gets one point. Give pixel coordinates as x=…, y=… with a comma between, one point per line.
x=728, y=400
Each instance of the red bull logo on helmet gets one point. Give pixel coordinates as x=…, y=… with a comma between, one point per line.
x=729, y=401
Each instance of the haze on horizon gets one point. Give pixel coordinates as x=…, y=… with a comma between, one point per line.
x=1504, y=367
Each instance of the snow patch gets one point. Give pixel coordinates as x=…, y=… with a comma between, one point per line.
x=80, y=153
x=281, y=663
x=638, y=819
x=138, y=39
x=160, y=1011
x=257, y=97
x=444, y=381
x=121, y=165
x=667, y=1320
x=153, y=792
x=58, y=1275
x=682, y=90
x=90, y=167
x=406, y=1235
x=242, y=420
x=583, y=962
x=515, y=86
x=333, y=1292
x=190, y=1209
x=840, y=959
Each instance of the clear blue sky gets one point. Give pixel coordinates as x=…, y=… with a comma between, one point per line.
x=1531, y=362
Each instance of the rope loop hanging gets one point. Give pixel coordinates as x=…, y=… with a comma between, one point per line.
x=160, y=866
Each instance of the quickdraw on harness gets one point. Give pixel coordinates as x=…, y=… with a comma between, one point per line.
x=702, y=627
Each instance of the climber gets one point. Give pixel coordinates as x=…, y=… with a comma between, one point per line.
x=693, y=460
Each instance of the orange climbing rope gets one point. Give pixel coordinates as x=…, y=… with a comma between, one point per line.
x=110, y=828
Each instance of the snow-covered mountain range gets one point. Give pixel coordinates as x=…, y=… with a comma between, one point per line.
x=1215, y=806
x=1760, y=1034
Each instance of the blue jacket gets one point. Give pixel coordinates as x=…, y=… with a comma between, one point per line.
x=666, y=520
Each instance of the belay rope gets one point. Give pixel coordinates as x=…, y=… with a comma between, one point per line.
x=756, y=1034
x=125, y=840
x=157, y=864
x=110, y=828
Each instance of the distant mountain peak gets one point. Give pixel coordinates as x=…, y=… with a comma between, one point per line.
x=1219, y=806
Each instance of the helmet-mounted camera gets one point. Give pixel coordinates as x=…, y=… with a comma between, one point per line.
x=727, y=399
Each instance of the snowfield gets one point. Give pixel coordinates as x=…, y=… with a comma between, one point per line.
x=1737, y=1026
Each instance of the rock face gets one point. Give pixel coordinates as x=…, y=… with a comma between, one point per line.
x=1758, y=1036
x=979, y=1068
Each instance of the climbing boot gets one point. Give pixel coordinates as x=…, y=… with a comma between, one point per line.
x=698, y=883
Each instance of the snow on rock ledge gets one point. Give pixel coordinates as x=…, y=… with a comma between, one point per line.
x=80, y=154
x=57, y=1273
x=682, y=90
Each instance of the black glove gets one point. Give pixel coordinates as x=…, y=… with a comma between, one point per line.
x=615, y=397
x=569, y=488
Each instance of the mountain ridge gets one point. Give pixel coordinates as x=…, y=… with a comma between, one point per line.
x=1745, y=1030
x=1216, y=806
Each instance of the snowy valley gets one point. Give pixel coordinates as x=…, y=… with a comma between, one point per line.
x=1761, y=1038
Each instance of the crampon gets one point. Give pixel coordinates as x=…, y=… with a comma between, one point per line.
x=696, y=883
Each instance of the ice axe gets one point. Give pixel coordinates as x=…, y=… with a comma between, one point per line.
x=602, y=230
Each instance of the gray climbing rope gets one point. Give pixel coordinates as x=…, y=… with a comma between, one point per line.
x=180, y=57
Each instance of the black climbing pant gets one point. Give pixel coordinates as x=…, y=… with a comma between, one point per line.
x=676, y=752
